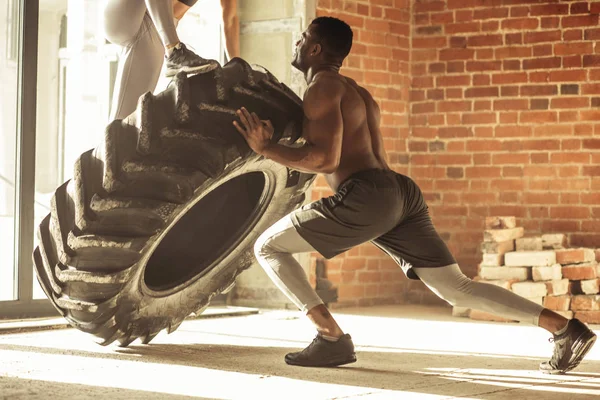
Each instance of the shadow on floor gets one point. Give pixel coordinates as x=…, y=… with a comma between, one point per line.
x=31, y=389
x=485, y=377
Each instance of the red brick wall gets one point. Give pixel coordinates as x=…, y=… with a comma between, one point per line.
x=509, y=94
x=380, y=62
x=503, y=119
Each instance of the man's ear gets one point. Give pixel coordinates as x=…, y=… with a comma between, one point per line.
x=316, y=50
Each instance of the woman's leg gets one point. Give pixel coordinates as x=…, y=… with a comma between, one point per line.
x=128, y=25
x=231, y=28
x=161, y=12
x=123, y=20
x=180, y=7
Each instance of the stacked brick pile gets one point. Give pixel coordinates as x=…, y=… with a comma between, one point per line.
x=541, y=269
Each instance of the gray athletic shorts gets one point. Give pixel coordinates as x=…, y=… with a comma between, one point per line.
x=380, y=206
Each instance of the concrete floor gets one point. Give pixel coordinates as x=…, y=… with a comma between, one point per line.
x=405, y=352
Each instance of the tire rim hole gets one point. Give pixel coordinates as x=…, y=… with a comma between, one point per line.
x=208, y=230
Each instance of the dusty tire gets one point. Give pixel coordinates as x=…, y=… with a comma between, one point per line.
x=164, y=214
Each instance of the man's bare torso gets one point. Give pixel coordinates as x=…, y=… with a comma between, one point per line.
x=362, y=143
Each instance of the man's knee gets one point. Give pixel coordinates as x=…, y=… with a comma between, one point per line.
x=259, y=246
x=263, y=247
x=457, y=294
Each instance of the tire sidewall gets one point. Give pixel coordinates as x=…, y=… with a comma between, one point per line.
x=156, y=310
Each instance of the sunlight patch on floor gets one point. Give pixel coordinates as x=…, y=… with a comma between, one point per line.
x=179, y=379
x=522, y=379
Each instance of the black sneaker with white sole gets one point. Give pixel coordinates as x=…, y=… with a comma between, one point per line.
x=569, y=348
x=324, y=353
x=183, y=59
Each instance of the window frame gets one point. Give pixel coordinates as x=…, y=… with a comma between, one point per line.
x=25, y=306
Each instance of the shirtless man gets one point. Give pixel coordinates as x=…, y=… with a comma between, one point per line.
x=371, y=203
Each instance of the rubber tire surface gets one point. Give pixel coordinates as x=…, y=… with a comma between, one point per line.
x=99, y=247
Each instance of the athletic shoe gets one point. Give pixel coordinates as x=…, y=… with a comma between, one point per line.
x=324, y=353
x=183, y=59
x=569, y=348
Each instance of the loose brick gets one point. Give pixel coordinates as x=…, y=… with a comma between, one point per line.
x=493, y=260
x=554, y=241
x=574, y=256
x=530, y=289
x=579, y=272
x=566, y=314
x=498, y=247
x=529, y=244
x=500, y=222
x=552, y=273
x=484, y=316
x=585, y=303
x=590, y=286
x=502, y=235
x=536, y=300
x=556, y=288
x=530, y=258
x=460, y=312
x=557, y=303
x=589, y=317
x=505, y=273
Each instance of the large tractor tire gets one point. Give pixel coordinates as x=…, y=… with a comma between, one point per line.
x=163, y=215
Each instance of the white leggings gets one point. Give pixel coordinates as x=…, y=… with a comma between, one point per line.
x=142, y=28
x=274, y=249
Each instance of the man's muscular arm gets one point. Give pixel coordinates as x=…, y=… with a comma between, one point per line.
x=322, y=130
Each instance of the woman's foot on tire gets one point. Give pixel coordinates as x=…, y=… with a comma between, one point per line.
x=183, y=59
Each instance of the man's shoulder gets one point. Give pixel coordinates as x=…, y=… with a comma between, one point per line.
x=328, y=79
x=326, y=84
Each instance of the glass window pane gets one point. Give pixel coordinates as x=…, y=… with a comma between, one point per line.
x=76, y=74
x=9, y=68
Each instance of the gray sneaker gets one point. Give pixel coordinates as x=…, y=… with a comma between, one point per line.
x=569, y=348
x=183, y=59
x=323, y=353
